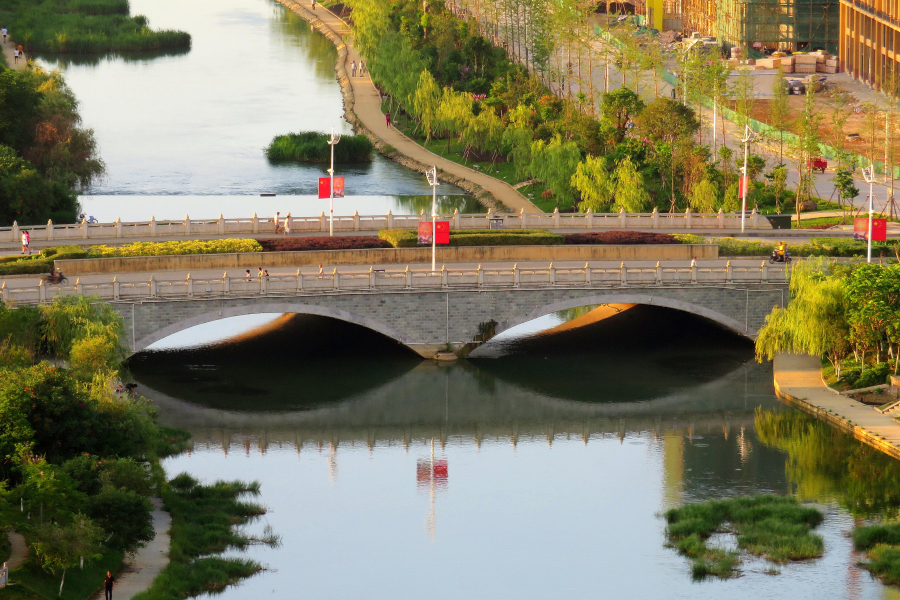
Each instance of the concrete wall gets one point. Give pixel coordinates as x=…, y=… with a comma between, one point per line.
x=429, y=321
x=378, y=256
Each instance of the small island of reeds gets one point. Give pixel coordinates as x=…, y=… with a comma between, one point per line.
x=84, y=27
x=776, y=528
x=312, y=146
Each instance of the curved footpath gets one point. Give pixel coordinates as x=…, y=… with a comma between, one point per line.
x=362, y=108
x=798, y=380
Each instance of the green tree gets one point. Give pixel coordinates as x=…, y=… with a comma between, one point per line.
x=806, y=147
x=631, y=194
x=705, y=197
x=64, y=546
x=619, y=107
x=554, y=164
x=594, y=185
x=485, y=132
x=780, y=111
x=843, y=185
x=426, y=102
x=453, y=113
x=743, y=93
x=124, y=515
x=667, y=120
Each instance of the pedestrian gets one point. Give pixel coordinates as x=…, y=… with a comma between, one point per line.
x=321, y=272
x=3, y=31
x=362, y=67
x=26, y=242
x=278, y=222
x=387, y=118
x=694, y=263
x=108, y=584
x=314, y=4
x=287, y=224
x=249, y=277
x=21, y=52
x=266, y=274
x=353, y=69
x=259, y=273
x=15, y=55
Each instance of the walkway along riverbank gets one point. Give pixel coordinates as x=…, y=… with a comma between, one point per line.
x=362, y=108
x=798, y=381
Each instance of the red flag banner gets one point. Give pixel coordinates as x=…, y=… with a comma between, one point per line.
x=442, y=232
x=861, y=229
x=742, y=185
x=424, y=232
x=325, y=187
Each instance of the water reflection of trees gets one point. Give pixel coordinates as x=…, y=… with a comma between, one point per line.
x=445, y=204
x=825, y=463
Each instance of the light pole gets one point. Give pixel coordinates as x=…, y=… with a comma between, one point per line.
x=748, y=136
x=431, y=176
x=869, y=176
x=332, y=142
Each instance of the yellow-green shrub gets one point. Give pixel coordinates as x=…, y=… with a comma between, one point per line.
x=173, y=248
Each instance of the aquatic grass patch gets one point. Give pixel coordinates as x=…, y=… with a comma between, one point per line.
x=776, y=528
x=408, y=238
x=882, y=546
x=204, y=522
x=312, y=146
x=85, y=27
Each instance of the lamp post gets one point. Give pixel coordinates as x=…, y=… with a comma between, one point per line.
x=332, y=142
x=869, y=176
x=431, y=176
x=748, y=137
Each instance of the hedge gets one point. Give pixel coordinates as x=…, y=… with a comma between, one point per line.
x=833, y=247
x=38, y=263
x=408, y=238
x=621, y=237
x=173, y=248
x=322, y=243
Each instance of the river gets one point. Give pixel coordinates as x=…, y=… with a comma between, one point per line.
x=184, y=133
x=540, y=472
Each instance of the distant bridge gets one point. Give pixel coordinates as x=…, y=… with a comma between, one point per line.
x=432, y=311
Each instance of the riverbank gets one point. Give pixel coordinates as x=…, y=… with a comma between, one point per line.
x=362, y=109
x=798, y=380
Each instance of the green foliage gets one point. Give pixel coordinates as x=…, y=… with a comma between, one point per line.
x=63, y=546
x=594, y=184
x=124, y=515
x=554, y=164
x=631, y=194
x=311, y=146
x=773, y=527
x=408, y=238
x=619, y=107
x=79, y=27
x=705, y=197
x=226, y=246
x=666, y=119
x=34, y=583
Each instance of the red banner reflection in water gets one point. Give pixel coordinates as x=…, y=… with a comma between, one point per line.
x=431, y=472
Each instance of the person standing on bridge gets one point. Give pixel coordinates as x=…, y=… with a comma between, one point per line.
x=26, y=242
x=353, y=68
x=249, y=277
x=278, y=222
x=287, y=224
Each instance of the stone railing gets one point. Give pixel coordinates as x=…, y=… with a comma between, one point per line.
x=382, y=280
x=256, y=225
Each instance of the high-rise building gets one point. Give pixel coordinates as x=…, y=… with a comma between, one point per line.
x=870, y=30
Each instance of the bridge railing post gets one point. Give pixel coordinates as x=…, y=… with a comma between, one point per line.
x=4, y=292
x=221, y=224
x=190, y=286
x=687, y=218
x=654, y=219
x=226, y=283
x=693, y=272
x=299, y=281
x=659, y=274
x=721, y=217
x=42, y=291
x=524, y=218
x=390, y=219
x=516, y=275
x=589, y=218
x=445, y=278
x=764, y=272
x=79, y=289
x=152, y=226
x=115, y=288
x=263, y=285
x=84, y=228
x=187, y=225
x=16, y=234
x=254, y=223
x=50, y=229
x=336, y=279
x=623, y=274
x=729, y=274
x=408, y=278
x=152, y=287
x=552, y=273
x=587, y=273
x=622, y=218
x=480, y=276
x=355, y=220
x=456, y=218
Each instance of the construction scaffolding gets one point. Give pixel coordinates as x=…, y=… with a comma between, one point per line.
x=767, y=24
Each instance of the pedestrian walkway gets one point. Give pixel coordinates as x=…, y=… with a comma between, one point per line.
x=18, y=553
x=798, y=380
x=366, y=106
x=7, y=48
x=137, y=576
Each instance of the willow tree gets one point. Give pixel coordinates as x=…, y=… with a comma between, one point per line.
x=594, y=183
x=780, y=112
x=554, y=164
x=704, y=197
x=454, y=111
x=815, y=320
x=631, y=193
x=485, y=133
x=426, y=101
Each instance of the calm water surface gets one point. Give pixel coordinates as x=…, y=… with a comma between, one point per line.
x=538, y=473
x=196, y=123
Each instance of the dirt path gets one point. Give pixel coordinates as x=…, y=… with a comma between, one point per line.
x=7, y=47
x=363, y=103
x=18, y=550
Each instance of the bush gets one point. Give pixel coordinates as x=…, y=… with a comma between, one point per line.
x=175, y=248
x=621, y=237
x=874, y=375
x=38, y=263
x=408, y=238
x=322, y=243
x=124, y=515
x=312, y=146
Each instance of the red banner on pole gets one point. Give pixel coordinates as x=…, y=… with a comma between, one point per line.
x=442, y=228
x=325, y=187
x=742, y=185
x=861, y=229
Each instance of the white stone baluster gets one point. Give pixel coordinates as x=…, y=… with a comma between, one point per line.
x=84, y=229
x=687, y=218
x=255, y=223
x=390, y=219
x=480, y=273
x=729, y=274
x=50, y=229
x=552, y=274
x=622, y=217
x=355, y=220
x=115, y=288
x=16, y=234
x=409, y=278
x=516, y=275
x=153, y=290
x=764, y=272
x=524, y=217
x=654, y=218
x=336, y=279
x=152, y=226
x=587, y=273
x=589, y=219
x=721, y=217
x=556, y=218
x=659, y=274
x=371, y=278
x=187, y=225
x=190, y=286
x=455, y=218
x=299, y=281
x=226, y=283
x=221, y=224
x=42, y=291
x=444, y=276
x=623, y=274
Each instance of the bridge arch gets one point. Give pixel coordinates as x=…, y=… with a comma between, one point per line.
x=606, y=298
x=218, y=314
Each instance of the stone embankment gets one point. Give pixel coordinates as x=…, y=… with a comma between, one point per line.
x=362, y=109
x=798, y=380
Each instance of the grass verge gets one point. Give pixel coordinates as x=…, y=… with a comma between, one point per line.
x=31, y=581
x=776, y=528
x=882, y=546
x=204, y=521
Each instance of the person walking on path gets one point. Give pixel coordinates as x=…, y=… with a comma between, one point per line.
x=249, y=278
x=314, y=4
x=259, y=273
x=321, y=272
x=387, y=119
x=362, y=67
x=15, y=56
x=3, y=31
x=287, y=224
x=278, y=222
x=353, y=69
x=26, y=242
x=108, y=584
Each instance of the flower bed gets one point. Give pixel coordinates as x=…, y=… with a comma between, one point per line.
x=620, y=237
x=322, y=243
x=408, y=238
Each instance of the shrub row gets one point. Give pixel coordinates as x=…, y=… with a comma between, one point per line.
x=834, y=247
x=322, y=243
x=622, y=237
x=174, y=248
x=39, y=263
x=408, y=238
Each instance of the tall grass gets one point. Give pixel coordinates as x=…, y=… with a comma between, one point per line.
x=84, y=27
x=773, y=527
x=311, y=146
x=882, y=543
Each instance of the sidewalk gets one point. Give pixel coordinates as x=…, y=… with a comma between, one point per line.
x=798, y=380
x=8, y=55
x=366, y=106
x=18, y=550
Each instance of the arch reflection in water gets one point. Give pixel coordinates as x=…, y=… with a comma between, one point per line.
x=495, y=474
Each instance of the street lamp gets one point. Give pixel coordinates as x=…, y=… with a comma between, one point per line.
x=748, y=137
x=332, y=142
x=431, y=176
x=869, y=176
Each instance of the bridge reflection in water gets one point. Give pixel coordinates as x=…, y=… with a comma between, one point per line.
x=647, y=372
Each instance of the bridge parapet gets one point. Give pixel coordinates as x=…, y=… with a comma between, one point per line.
x=255, y=225
x=406, y=280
